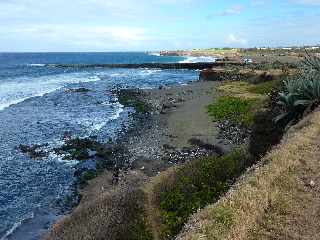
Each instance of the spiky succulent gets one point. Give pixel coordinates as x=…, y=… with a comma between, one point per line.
x=302, y=93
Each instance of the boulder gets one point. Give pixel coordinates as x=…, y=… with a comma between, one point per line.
x=265, y=76
x=213, y=74
x=222, y=74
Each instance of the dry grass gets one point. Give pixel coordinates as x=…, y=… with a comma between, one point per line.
x=106, y=212
x=273, y=202
x=242, y=90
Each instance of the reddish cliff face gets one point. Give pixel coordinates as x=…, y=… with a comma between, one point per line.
x=257, y=76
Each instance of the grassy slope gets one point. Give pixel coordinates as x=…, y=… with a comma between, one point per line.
x=178, y=192
x=276, y=201
x=107, y=212
x=174, y=195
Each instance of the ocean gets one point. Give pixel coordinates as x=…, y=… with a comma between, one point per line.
x=37, y=107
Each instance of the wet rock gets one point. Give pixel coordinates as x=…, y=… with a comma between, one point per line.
x=133, y=98
x=79, y=149
x=34, y=151
x=67, y=136
x=206, y=146
x=77, y=90
x=168, y=147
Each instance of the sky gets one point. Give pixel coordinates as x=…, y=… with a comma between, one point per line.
x=146, y=25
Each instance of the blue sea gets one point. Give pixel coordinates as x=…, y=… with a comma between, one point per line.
x=36, y=107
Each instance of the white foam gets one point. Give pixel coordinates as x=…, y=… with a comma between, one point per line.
x=147, y=72
x=37, y=65
x=118, y=75
x=60, y=159
x=94, y=124
x=198, y=59
x=154, y=54
x=16, y=226
x=19, y=90
x=118, y=113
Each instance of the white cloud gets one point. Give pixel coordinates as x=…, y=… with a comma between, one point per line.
x=83, y=37
x=234, y=40
x=308, y=2
x=257, y=3
x=234, y=10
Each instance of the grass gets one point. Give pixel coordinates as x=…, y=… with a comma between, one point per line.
x=274, y=201
x=246, y=90
x=241, y=101
x=233, y=108
x=107, y=212
x=264, y=88
x=177, y=194
x=87, y=176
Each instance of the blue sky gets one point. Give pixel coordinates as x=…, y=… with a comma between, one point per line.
x=122, y=25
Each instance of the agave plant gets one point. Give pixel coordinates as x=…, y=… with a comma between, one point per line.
x=301, y=94
x=292, y=110
x=312, y=62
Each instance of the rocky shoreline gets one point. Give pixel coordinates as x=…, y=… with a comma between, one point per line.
x=156, y=111
x=167, y=130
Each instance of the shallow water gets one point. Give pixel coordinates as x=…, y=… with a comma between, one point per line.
x=36, y=107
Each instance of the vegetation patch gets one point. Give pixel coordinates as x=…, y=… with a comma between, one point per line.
x=265, y=87
x=242, y=101
x=224, y=216
x=264, y=133
x=194, y=185
x=246, y=90
x=233, y=108
x=113, y=214
x=301, y=94
x=87, y=176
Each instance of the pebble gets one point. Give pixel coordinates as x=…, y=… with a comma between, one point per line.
x=312, y=183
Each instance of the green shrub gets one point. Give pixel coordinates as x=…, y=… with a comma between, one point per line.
x=264, y=88
x=87, y=176
x=196, y=185
x=234, y=108
x=264, y=133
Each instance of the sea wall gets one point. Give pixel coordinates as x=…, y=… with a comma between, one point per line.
x=190, y=66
